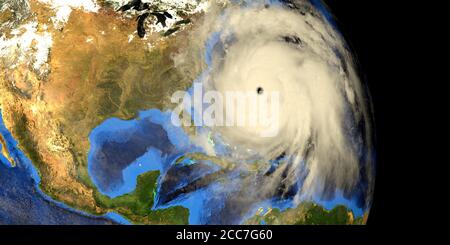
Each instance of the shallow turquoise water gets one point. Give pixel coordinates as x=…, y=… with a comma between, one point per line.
x=151, y=160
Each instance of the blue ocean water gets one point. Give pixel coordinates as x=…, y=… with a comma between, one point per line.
x=154, y=157
x=339, y=199
x=206, y=194
x=195, y=202
x=323, y=9
x=3, y=159
x=21, y=183
x=151, y=160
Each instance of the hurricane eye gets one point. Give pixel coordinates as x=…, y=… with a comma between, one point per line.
x=259, y=90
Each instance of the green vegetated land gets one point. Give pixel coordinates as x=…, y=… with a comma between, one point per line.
x=137, y=205
x=307, y=213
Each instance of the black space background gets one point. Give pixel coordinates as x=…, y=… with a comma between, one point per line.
x=383, y=35
x=367, y=28
x=376, y=31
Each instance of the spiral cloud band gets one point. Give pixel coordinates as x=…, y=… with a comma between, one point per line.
x=323, y=130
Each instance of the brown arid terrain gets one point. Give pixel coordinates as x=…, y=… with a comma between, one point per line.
x=94, y=72
x=5, y=152
x=60, y=78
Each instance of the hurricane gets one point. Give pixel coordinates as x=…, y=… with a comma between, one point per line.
x=175, y=112
x=323, y=134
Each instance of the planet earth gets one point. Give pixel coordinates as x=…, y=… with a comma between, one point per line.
x=98, y=124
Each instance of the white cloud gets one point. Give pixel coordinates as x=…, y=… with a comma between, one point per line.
x=26, y=46
x=63, y=9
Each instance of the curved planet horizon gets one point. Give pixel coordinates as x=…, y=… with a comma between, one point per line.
x=349, y=190
x=319, y=168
